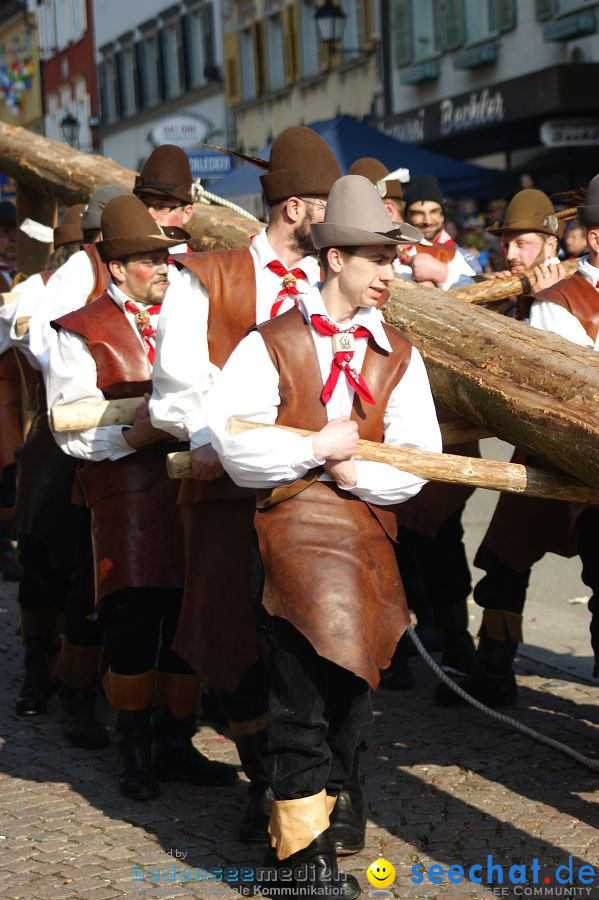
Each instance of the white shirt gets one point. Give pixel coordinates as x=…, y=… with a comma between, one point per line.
x=249, y=388
x=551, y=317
x=183, y=373
x=456, y=267
x=72, y=376
x=7, y=316
x=29, y=296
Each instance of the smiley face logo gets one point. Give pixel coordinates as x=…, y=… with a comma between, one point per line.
x=380, y=873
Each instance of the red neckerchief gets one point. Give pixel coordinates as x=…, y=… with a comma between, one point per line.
x=144, y=325
x=342, y=359
x=289, y=289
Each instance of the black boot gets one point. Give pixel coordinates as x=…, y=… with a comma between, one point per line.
x=315, y=873
x=81, y=727
x=38, y=685
x=177, y=759
x=399, y=676
x=459, y=652
x=253, y=828
x=348, y=818
x=594, y=629
x=138, y=779
x=492, y=680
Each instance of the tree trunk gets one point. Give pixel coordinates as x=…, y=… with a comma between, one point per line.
x=528, y=387
x=499, y=288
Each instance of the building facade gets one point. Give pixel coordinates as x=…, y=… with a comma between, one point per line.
x=508, y=83
x=20, y=93
x=68, y=71
x=278, y=73
x=160, y=76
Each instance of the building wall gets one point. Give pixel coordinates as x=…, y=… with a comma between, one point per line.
x=18, y=45
x=277, y=74
x=157, y=60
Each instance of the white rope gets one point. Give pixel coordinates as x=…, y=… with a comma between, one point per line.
x=201, y=195
x=506, y=720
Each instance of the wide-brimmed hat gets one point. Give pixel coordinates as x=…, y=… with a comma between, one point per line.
x=377, y=173
x=92, y=215
x=422, y=188
x=301, y=164
x=353, y=198
x=69, y=231
x=166, y=174
x=588, y=213
x=128, y=228
x=530, y=210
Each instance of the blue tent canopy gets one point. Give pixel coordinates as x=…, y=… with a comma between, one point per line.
x=350, y=139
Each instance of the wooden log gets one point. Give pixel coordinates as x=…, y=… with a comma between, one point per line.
x=528, y=387
x=484, y=473
x=33, y=256
x=81, y=416
x=8, y=297
x=69, y=176
x=492, y=290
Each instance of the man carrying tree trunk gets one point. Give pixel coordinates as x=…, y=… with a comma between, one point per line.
x=325, y=525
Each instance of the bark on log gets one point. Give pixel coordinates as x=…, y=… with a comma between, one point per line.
x=69, y=176
x=498, y=289
x=32, y=255
x=484, y=473
x=528, y=387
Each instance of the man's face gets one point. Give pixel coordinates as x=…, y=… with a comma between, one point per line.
x=314, y=210
x=8, y=244
x=427, y=215
x=169, y=211
x=576, y=241
x=366, y=274
x=143, y=277
x=525, y=249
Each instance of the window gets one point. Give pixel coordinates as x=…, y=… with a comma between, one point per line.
x=83, y=113
x=423, y=30
x=351, y=34
x=171, y=59
x=109, y=97
x=200, y=44
x=78, y=19
x=53, y=118
x=62, y=24
x=126, y=70
x=147, y=69
x=310, y=47
x=275, y=53
x=248, y=73
x=478, y=20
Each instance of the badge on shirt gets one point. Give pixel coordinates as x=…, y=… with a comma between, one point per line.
x=343, y=341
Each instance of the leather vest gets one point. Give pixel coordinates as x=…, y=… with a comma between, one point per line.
x=100, y=272
x=290, y=345
x=229, y=278
x=577, y=296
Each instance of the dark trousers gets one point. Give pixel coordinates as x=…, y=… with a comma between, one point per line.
x=318, y=715
x=502, y=587
x=8, y=496
x=139, y=626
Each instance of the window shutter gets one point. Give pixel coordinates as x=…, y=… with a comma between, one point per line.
x=545, y=9
x=231, y=61
x=209, y=40
x=452, y=24
x=365, y=24
x=402, y=29
x=289, y=45
x=503, y=15
x=186, y=51
x=140, y=70
x=297, y=40
x=259, y=48
x=161, y=64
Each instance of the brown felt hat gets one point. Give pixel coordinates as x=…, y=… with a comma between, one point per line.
x=354, y=198
x=301, y=164
x=376, y=172
x=588, y=213
x=166, y=174
x=128, y=228
x=530, y=210
x=70, y=229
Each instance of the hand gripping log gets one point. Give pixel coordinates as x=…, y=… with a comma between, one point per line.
x=495, y=289
x=483, y=473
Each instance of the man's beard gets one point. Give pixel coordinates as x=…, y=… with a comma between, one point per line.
x=301, y=240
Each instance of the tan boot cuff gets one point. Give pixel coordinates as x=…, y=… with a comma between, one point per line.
x=78, y=667
x=245, y=729
x=499, y=624
x=295, y=823
x=129, y=692
x=181, y=693
x=330, y=801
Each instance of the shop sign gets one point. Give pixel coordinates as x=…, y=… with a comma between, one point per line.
x=183, y=131
x=209, y=163
x=481, y=108
x=570, y=132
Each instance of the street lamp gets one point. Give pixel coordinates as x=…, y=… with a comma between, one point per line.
x=70, y=125
x=330, y=23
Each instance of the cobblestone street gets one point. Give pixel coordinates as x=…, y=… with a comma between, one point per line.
x=444, y=787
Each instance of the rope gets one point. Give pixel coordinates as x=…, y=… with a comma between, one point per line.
x=201, y=195
x=500, y=717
